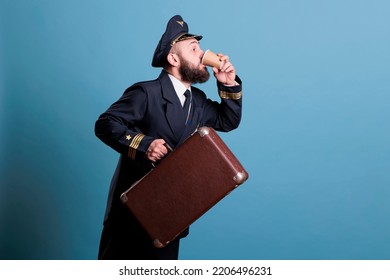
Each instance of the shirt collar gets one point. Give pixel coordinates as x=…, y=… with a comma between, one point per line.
x=178, y=85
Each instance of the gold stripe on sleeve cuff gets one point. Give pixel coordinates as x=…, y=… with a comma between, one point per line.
x=134, y=145
x=230, y=95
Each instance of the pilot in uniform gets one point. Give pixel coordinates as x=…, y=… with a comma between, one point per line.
x=149, y=112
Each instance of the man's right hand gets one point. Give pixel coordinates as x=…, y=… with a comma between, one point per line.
x=157, y=150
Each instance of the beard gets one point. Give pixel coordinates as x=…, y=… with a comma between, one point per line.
x=193, y=75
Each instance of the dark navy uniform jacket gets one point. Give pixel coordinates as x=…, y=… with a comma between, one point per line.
x=152, y=110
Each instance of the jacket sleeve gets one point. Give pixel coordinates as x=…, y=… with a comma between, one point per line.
x=226, y=115
x=120, y=126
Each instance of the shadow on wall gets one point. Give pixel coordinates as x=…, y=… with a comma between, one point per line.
x=49, y=195
x=31, y=226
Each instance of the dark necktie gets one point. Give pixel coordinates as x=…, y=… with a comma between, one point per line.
x=187, y=105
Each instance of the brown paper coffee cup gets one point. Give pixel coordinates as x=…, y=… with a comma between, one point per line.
x=211, y=59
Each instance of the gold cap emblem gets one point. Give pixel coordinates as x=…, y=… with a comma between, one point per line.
x=180, y=22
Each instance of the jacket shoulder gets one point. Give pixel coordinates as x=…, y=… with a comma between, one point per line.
x=144, y=85
x=198, y=92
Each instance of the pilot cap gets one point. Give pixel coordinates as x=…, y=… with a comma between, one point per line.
x=177, y=30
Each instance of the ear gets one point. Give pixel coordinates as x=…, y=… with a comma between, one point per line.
x=173, y=59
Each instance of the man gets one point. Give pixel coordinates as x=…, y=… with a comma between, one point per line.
x=155, y=114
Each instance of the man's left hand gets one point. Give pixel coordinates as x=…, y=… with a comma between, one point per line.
x=226, y=75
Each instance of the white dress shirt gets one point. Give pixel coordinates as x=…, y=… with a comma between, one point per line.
x=179, y=88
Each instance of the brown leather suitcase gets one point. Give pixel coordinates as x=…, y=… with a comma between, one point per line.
x=184, y=185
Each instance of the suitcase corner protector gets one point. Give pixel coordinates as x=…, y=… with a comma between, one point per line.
x=203, y=131
x=157, y=243
x=123, y=197
x=240, y=177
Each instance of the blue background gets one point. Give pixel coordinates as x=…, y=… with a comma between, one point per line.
x=314, y=137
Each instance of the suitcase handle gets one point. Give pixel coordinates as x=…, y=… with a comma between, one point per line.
x=168, y=147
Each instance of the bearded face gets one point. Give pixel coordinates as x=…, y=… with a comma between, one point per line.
x=191, y=74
